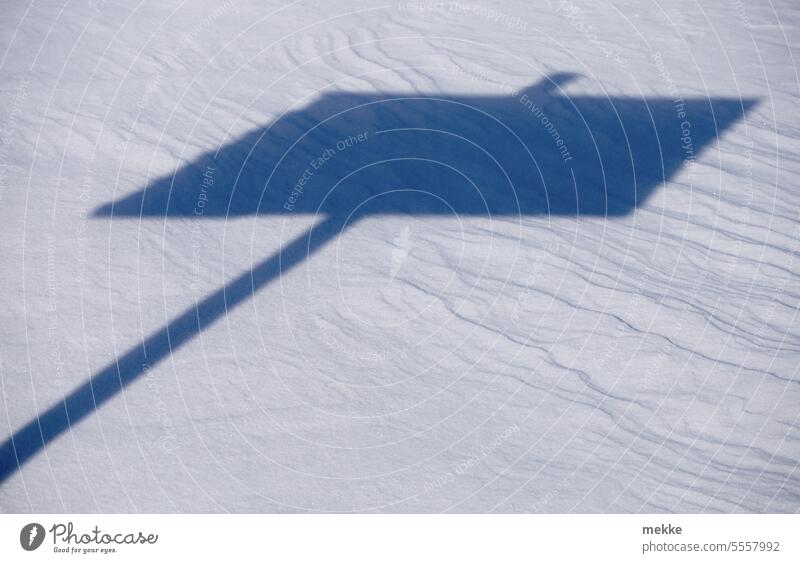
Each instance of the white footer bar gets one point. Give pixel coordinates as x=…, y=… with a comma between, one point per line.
x=399, y=538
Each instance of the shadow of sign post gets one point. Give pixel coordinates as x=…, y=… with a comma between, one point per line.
x=348, y=156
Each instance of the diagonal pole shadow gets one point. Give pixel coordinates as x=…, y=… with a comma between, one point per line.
x=83, y=401
x=552, y=155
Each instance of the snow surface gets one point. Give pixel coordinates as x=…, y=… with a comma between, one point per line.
x=472, y=321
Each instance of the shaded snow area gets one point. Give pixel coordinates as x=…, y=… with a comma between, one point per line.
x=400, y=257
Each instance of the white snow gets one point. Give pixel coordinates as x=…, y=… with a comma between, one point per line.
x=644, y=361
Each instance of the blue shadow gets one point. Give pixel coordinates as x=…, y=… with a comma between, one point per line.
x=348, y=156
